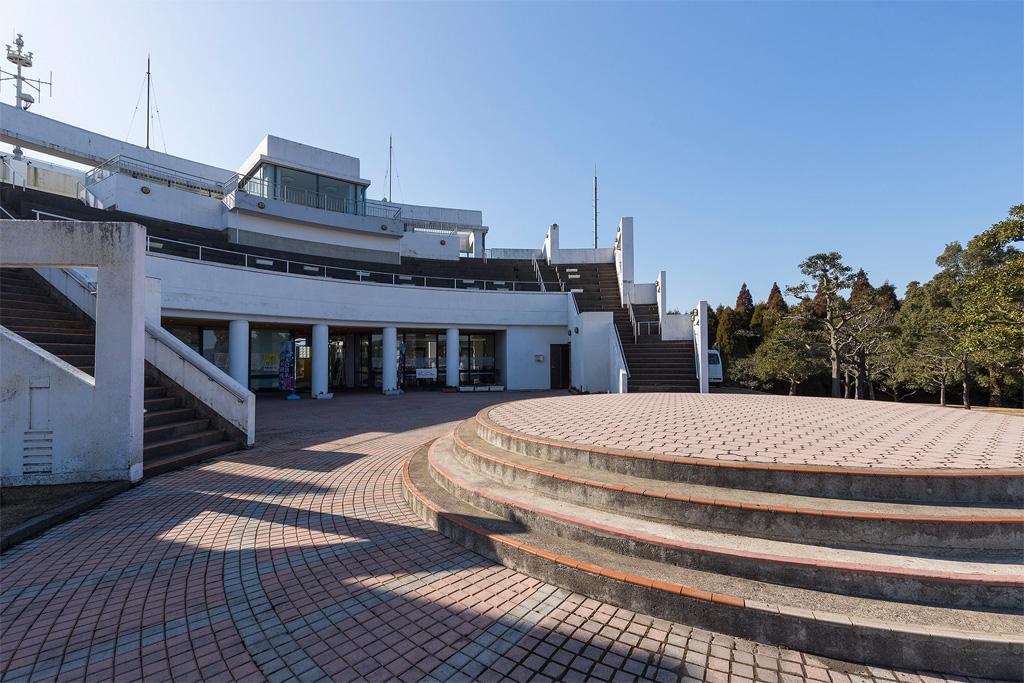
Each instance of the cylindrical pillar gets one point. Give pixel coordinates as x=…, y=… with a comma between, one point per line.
x=389, y=348
x=319, y=380
x=452, y=357
x=238, y=351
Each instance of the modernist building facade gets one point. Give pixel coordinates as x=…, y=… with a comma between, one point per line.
x=288, y=247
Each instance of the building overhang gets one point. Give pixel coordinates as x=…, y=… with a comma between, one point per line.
x=300, y=157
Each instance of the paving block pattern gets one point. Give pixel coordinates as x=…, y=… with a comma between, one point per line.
x=776, y=429
x=299, y=560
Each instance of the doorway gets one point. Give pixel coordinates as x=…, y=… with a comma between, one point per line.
x=561, y=366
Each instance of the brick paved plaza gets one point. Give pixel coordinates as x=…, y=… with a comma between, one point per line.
x=300, y=560
x=776, y=429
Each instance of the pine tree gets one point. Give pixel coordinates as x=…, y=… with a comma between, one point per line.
x=776, y=303
x=744, y=301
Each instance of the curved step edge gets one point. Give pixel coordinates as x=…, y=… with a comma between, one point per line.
x=987, y=534
x=829, y=635
x=1003, y=487
x=922, y=586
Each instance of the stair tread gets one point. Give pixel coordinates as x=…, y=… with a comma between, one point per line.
x=732, y=497
x=708, y=540
x=163, y=463
x=894, y=614
x=182, y=438
x=176, y=425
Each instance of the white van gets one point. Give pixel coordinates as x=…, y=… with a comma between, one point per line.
x=714, y=367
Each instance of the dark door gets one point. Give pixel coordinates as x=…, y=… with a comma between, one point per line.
x=561, y=366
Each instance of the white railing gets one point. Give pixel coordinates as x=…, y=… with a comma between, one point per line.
x=618, y=368
x=14, y=173
x=160, y=246
x=700, y=345
x=202, y=379
x=540, y=278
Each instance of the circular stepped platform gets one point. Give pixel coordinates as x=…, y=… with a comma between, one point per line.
x=912, y=567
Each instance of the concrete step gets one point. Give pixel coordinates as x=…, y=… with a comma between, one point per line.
x=36, y=317
x=60, y=348
x=995, y=488
x=160, y=404
x=159, y=417
x=154, y=465
x=879, y=632
x=154, y=391
x=14, y=305
x=170, y=430
x=879, y=575
x=918, y=529
x=181, y=444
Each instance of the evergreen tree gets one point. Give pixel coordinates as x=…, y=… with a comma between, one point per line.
x=744, y=301
x=776, y=302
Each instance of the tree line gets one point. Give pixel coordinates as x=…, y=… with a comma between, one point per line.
x=842, y=336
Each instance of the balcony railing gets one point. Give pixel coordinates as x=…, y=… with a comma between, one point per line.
x=160, y=175
x=264, y=189
x=156, y=174
x=174, y=248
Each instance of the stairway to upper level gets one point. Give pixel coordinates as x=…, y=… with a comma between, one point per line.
x=654, y=365
x=177, y=431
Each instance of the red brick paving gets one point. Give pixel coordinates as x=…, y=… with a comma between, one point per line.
x=299, y=560
x=776, y=429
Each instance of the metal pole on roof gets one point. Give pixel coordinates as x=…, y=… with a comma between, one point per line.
x=147, y=101
x=595, y=206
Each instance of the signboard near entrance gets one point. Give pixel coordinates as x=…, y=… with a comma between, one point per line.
x=426, y=373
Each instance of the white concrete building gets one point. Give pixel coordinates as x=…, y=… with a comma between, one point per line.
x=285, y=257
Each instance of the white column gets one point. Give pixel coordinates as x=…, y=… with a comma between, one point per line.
x=319, y=380
x=452, y=356
x=350, y=360
x=238, y=351
x=390, y=351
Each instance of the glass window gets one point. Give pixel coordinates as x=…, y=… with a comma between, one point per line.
x=189, y=334
x=297, y=187
x=264, y=356
x=477, y=364
x=215, y=346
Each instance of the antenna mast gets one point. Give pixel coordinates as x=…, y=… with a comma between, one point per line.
x=23, y=60
x=391, y=173
x=148, y=77
x=595, y=206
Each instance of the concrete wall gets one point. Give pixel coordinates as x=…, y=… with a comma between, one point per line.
x=429, y=245
x=207, y=290
x=440, y=214
x=522, y=346
x=49, y=136
x=41, y=175
x=58, y=424
x=590, y=347
x=601, y=255
x=123, y=192
x=304, y=158
x=517, y=254
x=624, y=255
x=319, y=239
x=677, y=326
x=618, y=373
x=700, y=340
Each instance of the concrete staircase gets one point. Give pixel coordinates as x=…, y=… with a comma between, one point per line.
x=177, y=432
x=795, y=559
x=654, y=365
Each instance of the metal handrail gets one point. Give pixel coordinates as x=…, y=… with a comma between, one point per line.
x=618, y=344
x=536, y=271
x=260, y=187
x=143, y=169
x=14, y=173
x=157, y=247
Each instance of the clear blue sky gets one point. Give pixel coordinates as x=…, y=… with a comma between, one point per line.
x=741, y=137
